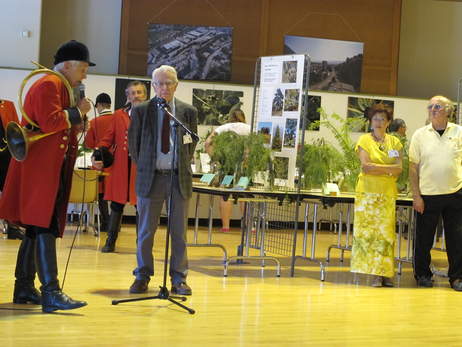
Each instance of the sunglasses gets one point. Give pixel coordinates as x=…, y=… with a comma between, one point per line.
x=436, y=107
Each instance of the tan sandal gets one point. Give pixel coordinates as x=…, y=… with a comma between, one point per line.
x=376, y=281
x=387, y=282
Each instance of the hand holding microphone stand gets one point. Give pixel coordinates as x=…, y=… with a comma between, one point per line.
x=164, y=293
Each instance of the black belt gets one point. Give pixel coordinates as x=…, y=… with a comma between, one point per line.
x=166, y=172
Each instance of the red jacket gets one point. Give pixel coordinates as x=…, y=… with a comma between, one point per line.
x=117, y=185
x=31, y=186
x=7, y=113
x=96, y=130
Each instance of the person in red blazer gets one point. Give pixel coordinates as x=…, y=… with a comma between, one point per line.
x=7, y=114
x=120, y=184
x=37, y=189
x=97, y=128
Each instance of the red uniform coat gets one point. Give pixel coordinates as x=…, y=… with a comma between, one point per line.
x=117, y=185
x=31, y=186
x=7, y=113
x=96, y=130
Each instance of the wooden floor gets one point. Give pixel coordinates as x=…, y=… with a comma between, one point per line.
x=251, y=307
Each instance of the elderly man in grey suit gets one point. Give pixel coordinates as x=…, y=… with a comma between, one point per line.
x=150, y=140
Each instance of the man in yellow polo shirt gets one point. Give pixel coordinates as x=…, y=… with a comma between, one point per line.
x=435, y=173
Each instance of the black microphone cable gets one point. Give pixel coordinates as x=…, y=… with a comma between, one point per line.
x=84, y=179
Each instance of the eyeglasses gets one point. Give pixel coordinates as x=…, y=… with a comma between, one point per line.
x=167, y=84
x=435, y=107
x=378, y=119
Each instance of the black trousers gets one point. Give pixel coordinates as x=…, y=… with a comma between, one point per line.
x=449, y=207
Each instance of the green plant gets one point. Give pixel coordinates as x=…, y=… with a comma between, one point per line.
x=82, y=149
x=200, y=145
x=341, y=130
x=240, y=155
x=228, y=153
x=403, y=179
x=257, y=156
x=320, y=162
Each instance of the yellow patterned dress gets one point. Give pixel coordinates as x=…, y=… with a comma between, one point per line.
x=374, y=213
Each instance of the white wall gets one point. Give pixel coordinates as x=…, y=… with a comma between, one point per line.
x=412, y=110
x=93, y=22
x=430, y=59
x=17, y=17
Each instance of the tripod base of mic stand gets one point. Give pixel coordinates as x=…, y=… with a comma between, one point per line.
x=163, y=294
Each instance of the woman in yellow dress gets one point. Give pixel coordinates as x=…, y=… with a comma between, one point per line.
x=374, y=212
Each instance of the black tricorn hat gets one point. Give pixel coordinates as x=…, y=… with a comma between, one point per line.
x=73, y=50
x=103, y=98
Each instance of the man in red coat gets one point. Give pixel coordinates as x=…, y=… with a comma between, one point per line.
x=7, y=114
x=120, y=184
x=37, y=189
x=96, y=130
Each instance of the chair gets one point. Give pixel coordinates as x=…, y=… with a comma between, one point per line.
x=84, y=190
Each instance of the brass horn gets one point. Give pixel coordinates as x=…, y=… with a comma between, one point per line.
x=19, y=138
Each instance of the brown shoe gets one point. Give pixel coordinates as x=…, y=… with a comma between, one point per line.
x=181, y=289
x=139, y=286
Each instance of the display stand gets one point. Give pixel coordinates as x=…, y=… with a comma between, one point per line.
x=279, y=111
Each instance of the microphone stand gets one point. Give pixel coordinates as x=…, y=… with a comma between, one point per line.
x=164, y=293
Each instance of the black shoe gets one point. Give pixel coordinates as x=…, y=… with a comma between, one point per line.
x=115, y=220
x=181, y=289
x=109, y=246
x=26, y=294
x=47, y=269
x=424, y=282
x=14, y=233
x=139, y=286
x=457, y=285
x=56, y=300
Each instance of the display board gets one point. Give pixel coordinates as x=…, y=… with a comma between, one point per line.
x=281, y=85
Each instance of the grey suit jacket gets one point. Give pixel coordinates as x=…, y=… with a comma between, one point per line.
x=142, y=142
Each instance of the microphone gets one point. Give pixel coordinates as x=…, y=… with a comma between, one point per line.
x=162, y=103
x=81, y=90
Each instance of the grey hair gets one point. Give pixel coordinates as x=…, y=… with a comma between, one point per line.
x=60, y=66
x=165, y=69
x=396, y=124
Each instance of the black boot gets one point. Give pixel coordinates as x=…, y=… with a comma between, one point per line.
x=52, y=297
x=103, y=213
x=24, y=289
x=115, y=221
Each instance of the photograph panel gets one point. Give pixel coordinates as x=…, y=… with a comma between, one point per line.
x=290, y=133
x=312, y=114
x=196, y=52
x=359, y=108
x=276, y=144
x=335, y=65
x=281, y=167
x=265, y=128
x=214, y=106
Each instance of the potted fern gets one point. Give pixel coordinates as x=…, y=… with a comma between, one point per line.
x=239, y=155
x=320, y=162
x=341, y=129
